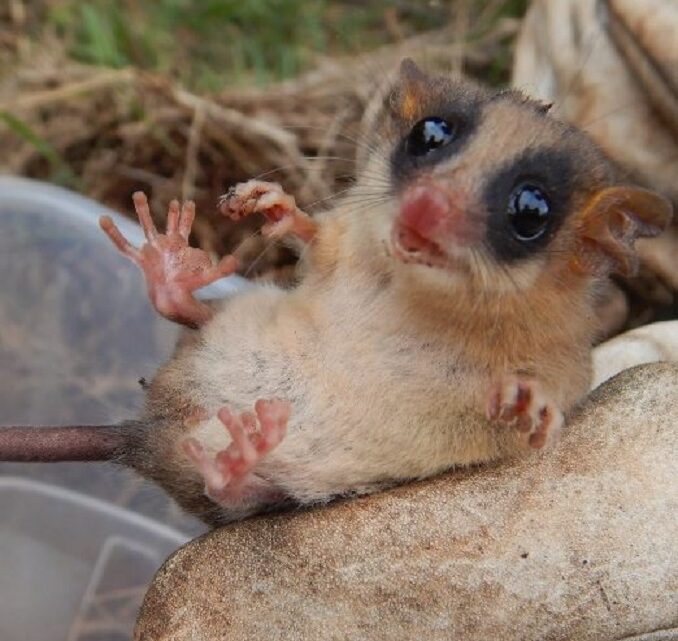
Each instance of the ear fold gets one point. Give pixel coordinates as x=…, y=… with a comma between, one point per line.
x=609, y=225
x=409, y=92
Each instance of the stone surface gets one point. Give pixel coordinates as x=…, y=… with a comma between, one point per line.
x=647, y=344
x=575, y=544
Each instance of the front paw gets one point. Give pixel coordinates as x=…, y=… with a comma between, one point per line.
x=257, y=197
x=521, y=404
x=280, y=209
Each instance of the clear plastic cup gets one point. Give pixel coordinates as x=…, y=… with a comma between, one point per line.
x=76, y=335
x=74, y=568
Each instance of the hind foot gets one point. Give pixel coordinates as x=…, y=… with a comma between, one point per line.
x=228, y=473
x=522, y=405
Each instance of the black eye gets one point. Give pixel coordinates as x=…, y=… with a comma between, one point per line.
x=429, y=134
x=528, y=212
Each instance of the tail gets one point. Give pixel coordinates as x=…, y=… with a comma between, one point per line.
x=73, y=443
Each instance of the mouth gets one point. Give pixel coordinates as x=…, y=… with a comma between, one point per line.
x=431, y=225
x=409, y=246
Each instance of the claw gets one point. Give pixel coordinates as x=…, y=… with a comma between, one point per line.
x=521, y=405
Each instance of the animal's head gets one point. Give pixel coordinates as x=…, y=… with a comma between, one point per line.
x=486, y=189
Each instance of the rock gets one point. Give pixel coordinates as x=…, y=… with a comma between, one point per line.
x=578, y=543
x=645, y=34
x=647, y=344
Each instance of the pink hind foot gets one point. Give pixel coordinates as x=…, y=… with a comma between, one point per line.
x=254, y=434
x=521, y=404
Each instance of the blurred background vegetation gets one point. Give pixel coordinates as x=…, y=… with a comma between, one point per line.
x=207, y=44
x=183, y=98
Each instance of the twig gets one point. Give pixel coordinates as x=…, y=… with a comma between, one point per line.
x=236, y=119
x=66, y=92
x=192, y=150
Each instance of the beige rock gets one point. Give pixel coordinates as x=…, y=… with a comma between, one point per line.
x=646, y=35
x=660, y=255
x=575, y=544
x=647, y=344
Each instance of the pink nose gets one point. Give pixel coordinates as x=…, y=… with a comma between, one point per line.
x=437, y=214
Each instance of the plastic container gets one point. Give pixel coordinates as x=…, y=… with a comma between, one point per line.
x=76, y=328
x=73, y=568
x=76, y=335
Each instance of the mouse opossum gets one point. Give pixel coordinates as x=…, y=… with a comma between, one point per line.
x=447, y=322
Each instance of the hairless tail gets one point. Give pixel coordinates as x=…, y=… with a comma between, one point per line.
x=52, y=444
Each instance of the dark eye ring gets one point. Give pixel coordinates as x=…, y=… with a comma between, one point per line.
x=429, y=134
x=529, y=212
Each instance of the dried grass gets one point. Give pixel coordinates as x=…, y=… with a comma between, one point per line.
x=109, y=132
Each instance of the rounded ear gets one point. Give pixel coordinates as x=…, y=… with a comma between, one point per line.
x=609, y=225
x=409, y=71
x=410, y=89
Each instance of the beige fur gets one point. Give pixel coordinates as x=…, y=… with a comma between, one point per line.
x=388, y=365
x=387, y=383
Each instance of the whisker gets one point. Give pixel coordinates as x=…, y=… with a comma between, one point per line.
x=340, y=194
x=364, y=144
x=594, y=38
x=611, y=113
x=296, y=166
x=257, y=260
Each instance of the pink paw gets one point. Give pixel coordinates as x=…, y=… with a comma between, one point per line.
x=173, y=269
x=521, y=404
x=267, y=198
x=253, y=435
x=257, y=197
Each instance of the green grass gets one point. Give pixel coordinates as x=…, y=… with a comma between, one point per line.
x=59, y=170
x=208, y=44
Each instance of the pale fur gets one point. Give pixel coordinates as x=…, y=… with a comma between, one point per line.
x=388, y=366
x=388, y=377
